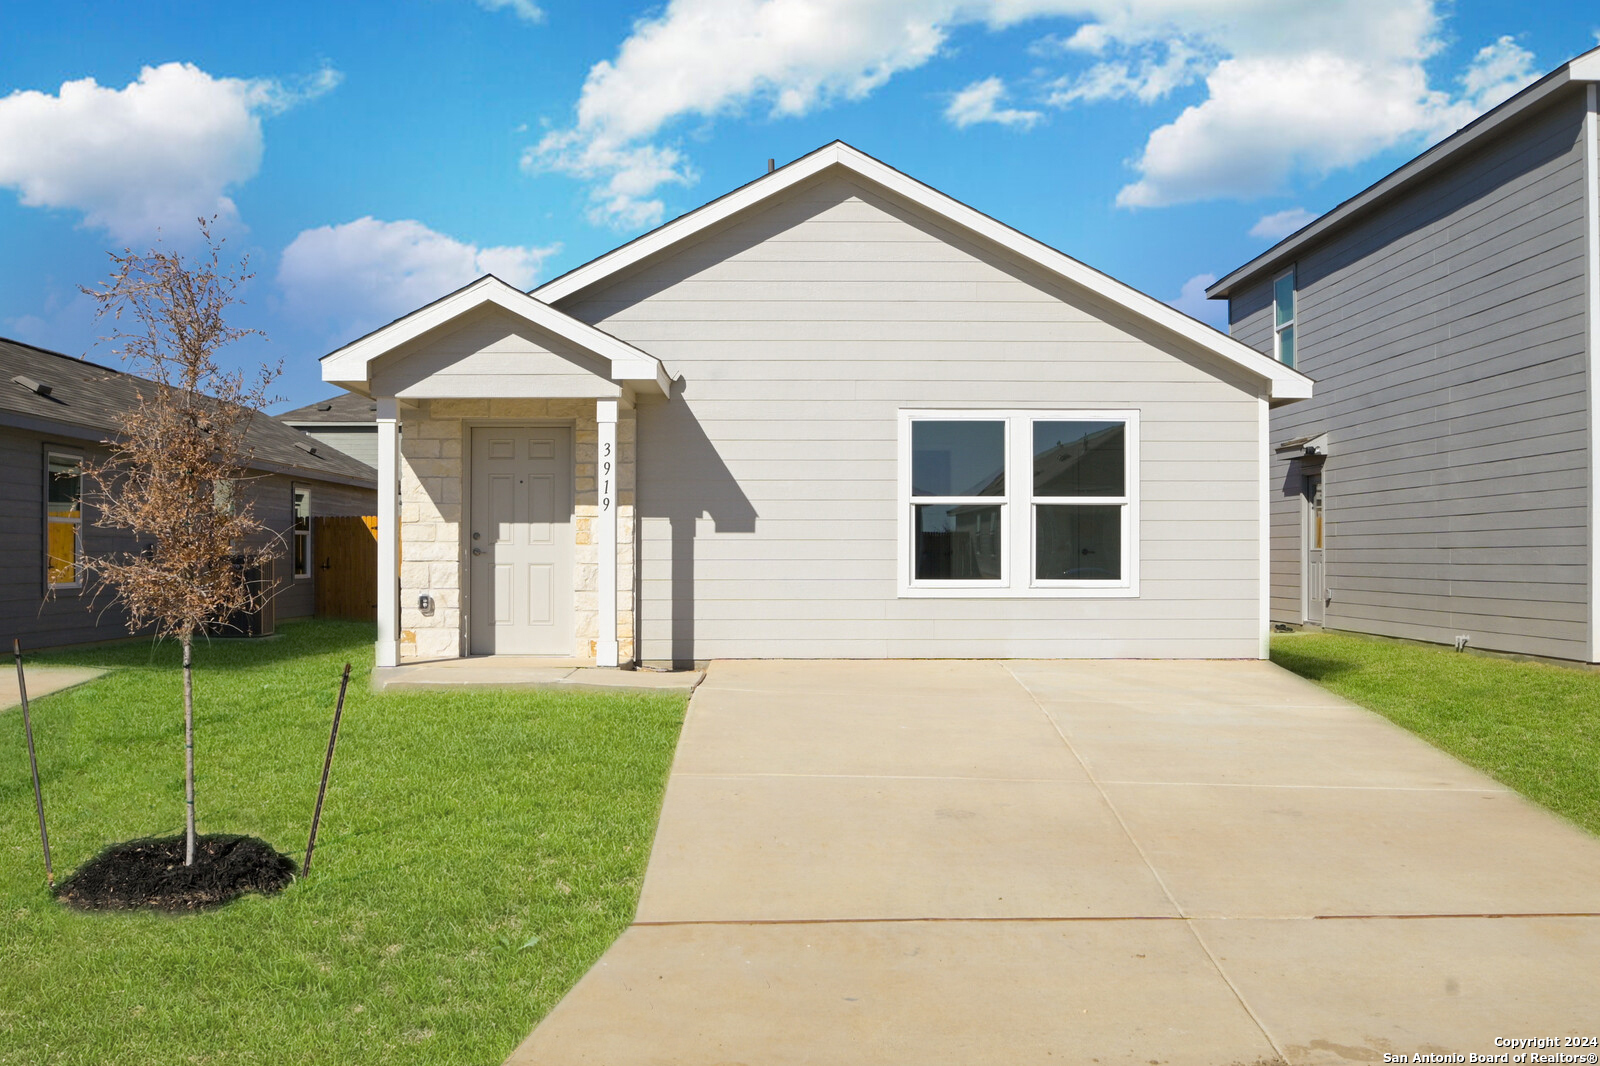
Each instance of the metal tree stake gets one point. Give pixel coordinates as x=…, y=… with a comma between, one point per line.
x=33, y=763
x=327, y=764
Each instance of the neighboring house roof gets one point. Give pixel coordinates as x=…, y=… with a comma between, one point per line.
x=351, y=365
x=1580, y=71
x=74, y=398
x=345, y=409
x=1284, y=382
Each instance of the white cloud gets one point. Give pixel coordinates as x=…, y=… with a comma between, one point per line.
x=1280, y=224
x=980, y=102
x=1287, y=88
x=158, y=153
x=1498, y=72
x=1147, y=79
x=525, y=10
x=1192, y=301
x=356, y=276
x=1299, y=89
x=709, y=58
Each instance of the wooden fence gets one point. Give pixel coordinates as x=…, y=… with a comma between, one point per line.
x=345, y=551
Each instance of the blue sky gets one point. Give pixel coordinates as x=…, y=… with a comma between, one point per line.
x=370, y=157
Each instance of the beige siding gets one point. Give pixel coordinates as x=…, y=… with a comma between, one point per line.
x=490, y=353
x=767, y=485
x=1445, y=332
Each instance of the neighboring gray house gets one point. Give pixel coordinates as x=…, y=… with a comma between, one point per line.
x=832, y=413
x=1442, y=482
x=348, y=422
x=54, y=411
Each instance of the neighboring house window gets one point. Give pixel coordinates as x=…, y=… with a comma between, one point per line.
x=1019, y=503
x=302, y=531
x=1283, y=318
x=64, y=521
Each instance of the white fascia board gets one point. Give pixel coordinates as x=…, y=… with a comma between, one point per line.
x=350, y=366
x=1285, y=383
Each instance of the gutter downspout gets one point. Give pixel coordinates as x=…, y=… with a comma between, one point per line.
x=1264, y=592
x=1591, y=139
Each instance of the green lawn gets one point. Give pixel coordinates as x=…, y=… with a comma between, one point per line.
x=478, y=851
x=1533, y=726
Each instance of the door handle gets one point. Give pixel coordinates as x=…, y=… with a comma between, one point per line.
x=477, y=551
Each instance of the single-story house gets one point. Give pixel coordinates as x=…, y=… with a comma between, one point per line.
x=347, y=422
x=833, y=413
x=55, y=410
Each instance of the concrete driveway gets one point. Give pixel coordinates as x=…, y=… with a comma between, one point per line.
x=1080, y=862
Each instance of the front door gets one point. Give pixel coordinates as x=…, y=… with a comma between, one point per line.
x=1316, y=582
x=520, y=541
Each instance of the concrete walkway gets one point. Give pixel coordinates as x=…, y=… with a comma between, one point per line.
x=42, y=680
x=528, y=671
x=1137, y=862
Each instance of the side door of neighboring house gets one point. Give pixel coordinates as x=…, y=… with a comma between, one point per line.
x=1313, y=534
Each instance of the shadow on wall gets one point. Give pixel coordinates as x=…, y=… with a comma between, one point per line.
x=681, y=478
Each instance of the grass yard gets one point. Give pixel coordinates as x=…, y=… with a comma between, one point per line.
x=1532, y=726
x=478, y=851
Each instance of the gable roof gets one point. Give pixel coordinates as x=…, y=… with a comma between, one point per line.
x=1580, y=71
x=347, y=408
x=351, y=365
x=1284, y=383
x=84, y=400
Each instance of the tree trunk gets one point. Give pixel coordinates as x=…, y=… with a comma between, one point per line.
x=188, y=748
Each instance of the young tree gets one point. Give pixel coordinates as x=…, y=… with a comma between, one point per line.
x=169, y=472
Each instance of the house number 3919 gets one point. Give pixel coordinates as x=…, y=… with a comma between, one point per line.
x=605, y=479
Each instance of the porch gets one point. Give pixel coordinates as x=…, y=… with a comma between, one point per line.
x=506, y=465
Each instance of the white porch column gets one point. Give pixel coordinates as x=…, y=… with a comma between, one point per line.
x=605, y=650
x=388, y=531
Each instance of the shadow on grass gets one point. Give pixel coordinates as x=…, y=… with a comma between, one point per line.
x=1312, y=667
x=294, y=640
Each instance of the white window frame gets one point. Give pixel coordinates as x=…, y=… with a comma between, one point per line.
x=1019, y=538
x=1278, y=328
x=77, y=538
x=295, y=533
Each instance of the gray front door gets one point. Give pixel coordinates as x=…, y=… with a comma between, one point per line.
x=1316, y=582
x=520, y=541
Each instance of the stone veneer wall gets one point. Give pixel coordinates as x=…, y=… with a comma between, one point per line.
x=433, y=442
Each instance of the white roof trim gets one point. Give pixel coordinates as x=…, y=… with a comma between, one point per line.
x=1585, y=68
x=1284, y=382
x=630, y=365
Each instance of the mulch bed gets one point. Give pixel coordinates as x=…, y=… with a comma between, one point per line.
x=150, y=875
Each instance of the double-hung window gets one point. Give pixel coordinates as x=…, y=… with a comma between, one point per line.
x=1283, y=318
x=302, y=530
x=63, y=521
x=1019, y=503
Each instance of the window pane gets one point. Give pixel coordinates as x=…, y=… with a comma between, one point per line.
x=1078, y=542
x=957, y=542
x=302, y=545
x=302, y=509
x=1286, y=346
x=66, y=488
x=1078, y=459
x=958, y=458
x=1283, y=297
x=63, y=548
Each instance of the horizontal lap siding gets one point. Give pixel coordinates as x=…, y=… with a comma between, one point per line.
x=71, y=616
x=767, y=489
x=1446, y=336
x=27, y=612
